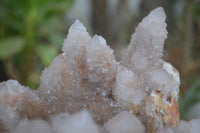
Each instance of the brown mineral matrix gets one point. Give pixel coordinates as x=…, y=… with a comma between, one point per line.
x=86, y=76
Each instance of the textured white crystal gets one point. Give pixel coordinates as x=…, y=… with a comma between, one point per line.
x=172, y=71
x=166, y=80
x=12, y=101
x=33, y=126
x=77, y=26
x=8, y=117
x=74, y=44
x=58, y=120
x=124, y=122
x=54, y=79
x=77, y=123
x=128, y=87
x=147, y=42
x=158, y=14
x=159, y=80
x=87, y=78
x=101, y=62
x=86, y=70
x=10, y=93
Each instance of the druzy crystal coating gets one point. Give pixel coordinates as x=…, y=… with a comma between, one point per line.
x=85, y=90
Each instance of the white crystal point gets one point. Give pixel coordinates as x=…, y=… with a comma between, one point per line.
x=174, y=77
x=56, y=84
x=162, y=81
x=159, y=80
x=99, y=40
x=14, y=99
x=55, y=76
x=77, y=38
x=166, y=80
x=147, y=42
x=11, y=93
x=101, y=63
x=77, y=25
x=172, y=71
x=128, y=88
x=124, y=122
x=158, y=14
x=87, y=76
x=80, y=122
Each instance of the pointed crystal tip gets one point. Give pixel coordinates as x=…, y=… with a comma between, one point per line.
x=158, y=14
x=99, y=39
x=77, y=25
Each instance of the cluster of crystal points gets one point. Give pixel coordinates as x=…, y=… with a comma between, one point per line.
x=85, y=90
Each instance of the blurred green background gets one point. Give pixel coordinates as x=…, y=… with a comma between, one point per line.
x=32, y=33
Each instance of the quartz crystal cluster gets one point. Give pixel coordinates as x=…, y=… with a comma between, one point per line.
x=85, y=90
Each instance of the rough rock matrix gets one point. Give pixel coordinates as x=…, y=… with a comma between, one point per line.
x=85, y=90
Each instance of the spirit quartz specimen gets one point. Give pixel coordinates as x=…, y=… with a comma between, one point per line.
x=85, y=90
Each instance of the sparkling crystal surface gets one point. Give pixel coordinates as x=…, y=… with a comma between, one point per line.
x=85, y=90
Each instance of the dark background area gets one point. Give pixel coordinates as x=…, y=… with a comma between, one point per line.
x=32, y=33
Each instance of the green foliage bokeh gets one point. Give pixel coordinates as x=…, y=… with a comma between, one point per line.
x=30, y=31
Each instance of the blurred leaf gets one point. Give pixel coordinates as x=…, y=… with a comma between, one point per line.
x=54, y=7
x=11, y=22
x=33, y=80
x=56, y=39
x=36, y=21
x=11, y=14
x=50, y=26
x=11, y=46
x=46, y=53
